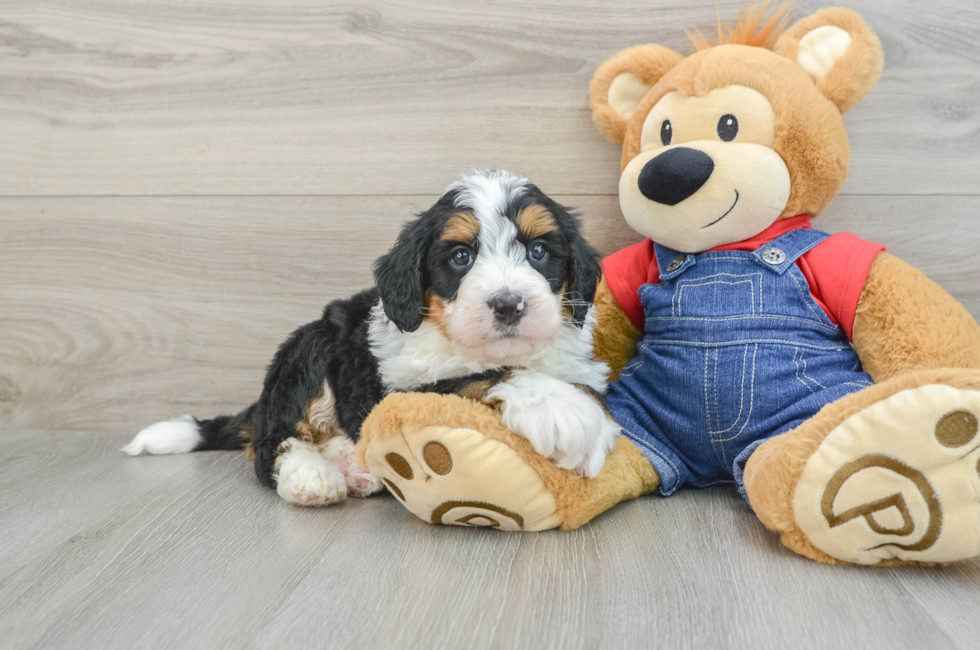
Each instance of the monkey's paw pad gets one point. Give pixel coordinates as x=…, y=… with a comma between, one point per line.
x=898, y=479
x=457, y=476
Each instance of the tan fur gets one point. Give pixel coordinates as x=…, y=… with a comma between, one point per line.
x=535, y=221
x=906, y=322
x=319, y=423
x=648, y=62
x=856, y=73
x=462, y=227
x=750, y=29
x=435, y=312
x=626, y=474
x=773, y=471
x=810, y=133
x=615, y=334
x=245, y=435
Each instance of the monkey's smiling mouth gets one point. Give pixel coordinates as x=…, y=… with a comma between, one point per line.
x=724, y=215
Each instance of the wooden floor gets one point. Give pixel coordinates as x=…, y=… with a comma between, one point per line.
x=191, y=552
x=183, y=183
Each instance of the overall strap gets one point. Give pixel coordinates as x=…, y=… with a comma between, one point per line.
x=781, y=253
x=670, y=262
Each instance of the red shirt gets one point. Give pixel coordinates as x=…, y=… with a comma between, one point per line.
x=836, y=270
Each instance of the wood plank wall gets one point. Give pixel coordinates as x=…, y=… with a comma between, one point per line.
x=182, y=183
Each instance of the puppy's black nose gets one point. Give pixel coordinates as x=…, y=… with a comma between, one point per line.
x=675, y=175
x=507, y=307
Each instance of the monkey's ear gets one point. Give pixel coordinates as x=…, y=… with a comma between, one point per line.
x=621, y=83
x=399, y=277
x=839, y=52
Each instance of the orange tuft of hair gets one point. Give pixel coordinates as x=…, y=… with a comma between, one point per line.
x=752, y=28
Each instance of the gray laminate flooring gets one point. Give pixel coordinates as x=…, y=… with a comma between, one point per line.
x=99, y=550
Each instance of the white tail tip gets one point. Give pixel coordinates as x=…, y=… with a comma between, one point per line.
x=177, y=436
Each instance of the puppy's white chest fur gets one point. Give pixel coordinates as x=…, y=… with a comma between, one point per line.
x=410, y=360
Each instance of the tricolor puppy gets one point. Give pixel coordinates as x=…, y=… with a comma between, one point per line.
x=491, y=287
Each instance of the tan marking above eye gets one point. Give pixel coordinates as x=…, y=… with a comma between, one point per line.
x=535, y=221
x=461, y=227
x=398, y=463
x=956, y=429
x=696, y=118
x=437, y=457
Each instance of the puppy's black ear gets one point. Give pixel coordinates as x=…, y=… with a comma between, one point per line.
x=584, y=268
x=399, y=277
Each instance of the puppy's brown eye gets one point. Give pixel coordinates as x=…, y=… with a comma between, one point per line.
x=537, y=252
x=461, y=258
x=727, y=127
x=666, y=132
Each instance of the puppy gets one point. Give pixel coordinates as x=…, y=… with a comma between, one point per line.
x=488, y=293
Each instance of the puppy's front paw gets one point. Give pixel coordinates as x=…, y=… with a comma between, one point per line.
x=305, y=478
x=559, y=420
x=339, y=451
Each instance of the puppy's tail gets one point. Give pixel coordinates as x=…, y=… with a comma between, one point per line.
x=187, y=433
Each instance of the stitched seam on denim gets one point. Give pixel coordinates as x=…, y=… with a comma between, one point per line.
x=748, y=418
x=629, y=371
x=717, y=402
x=834, y=348
x=828, y=328
x=741, y=405
x=806, y=235
x=796, y=352
x=748, y=257
x=707, y=400
x=681, y=286
x=806, y=376
x=656, y=452
x=803, y=295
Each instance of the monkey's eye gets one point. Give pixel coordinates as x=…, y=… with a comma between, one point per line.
x=727, y=127
x=461, y=257
x=537, y=252
x=666, y=132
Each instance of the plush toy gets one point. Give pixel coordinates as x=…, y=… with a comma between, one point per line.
x=835, y=385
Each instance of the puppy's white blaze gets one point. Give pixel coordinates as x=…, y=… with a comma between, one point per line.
x=488, y=191
x=559, y=420
x=471, y=322
x=177, y=436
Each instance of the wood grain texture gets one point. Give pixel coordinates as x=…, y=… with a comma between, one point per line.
x=184, y=182
x=118, y=312
x=236, y=97
x=98, y=550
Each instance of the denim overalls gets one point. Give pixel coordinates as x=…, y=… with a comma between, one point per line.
x=735, y=351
